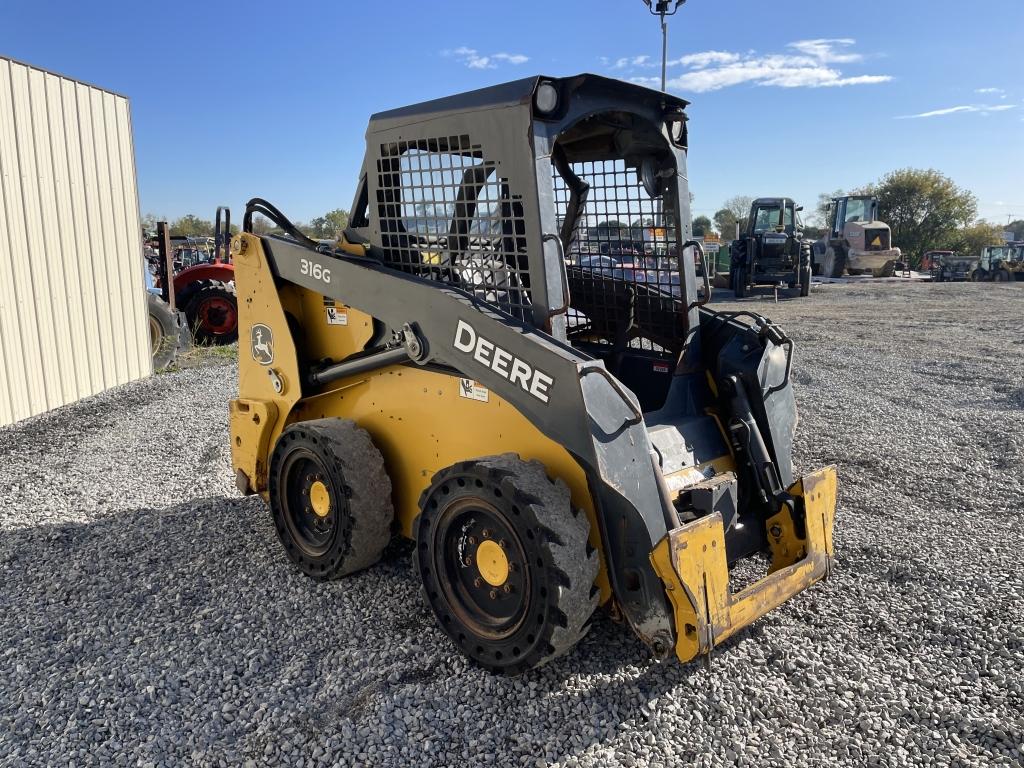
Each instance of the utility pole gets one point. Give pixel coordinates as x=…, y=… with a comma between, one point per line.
x=661, y=9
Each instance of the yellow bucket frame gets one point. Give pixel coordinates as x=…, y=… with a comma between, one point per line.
x=691, y=562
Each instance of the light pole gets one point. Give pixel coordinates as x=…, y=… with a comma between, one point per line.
x=661, y=9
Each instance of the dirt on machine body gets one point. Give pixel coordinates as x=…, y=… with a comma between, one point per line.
x=553, y=436
x=856, y=242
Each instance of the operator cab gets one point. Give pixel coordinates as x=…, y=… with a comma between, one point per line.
x=776, y=216
x=854, y=209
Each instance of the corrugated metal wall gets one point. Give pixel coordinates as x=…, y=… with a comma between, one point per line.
x=73, y=316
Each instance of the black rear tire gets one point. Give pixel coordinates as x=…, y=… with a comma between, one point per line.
x=330, y=497
x=738, y=268
x=806, y=267
x=212, y=312
x=163, y=332
x=740, y=285
x=505, y=562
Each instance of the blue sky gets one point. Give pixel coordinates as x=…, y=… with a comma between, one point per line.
x=792, y=97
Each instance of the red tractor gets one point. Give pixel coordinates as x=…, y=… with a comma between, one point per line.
x=204, y=284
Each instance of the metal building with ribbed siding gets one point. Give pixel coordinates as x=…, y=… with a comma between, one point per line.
x=73, y=317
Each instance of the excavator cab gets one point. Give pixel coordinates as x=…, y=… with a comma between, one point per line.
x=507, y=360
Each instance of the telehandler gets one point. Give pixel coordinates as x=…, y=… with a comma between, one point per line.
x=553, y=437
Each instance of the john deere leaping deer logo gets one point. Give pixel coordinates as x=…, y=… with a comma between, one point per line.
x=262, y=344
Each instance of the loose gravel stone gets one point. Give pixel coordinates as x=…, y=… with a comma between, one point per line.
x=149, y=617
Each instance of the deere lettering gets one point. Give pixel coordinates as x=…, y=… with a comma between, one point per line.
x=503, y=362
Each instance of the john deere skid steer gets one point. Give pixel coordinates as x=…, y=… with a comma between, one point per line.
x=555, y=433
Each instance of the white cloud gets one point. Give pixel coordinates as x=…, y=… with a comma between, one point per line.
x=704, y=59
x=828, y=50
x=992, y=92
x=630, y=61
x=511, y=58
x=964, y=108
x=810, y=65
x=473, y=59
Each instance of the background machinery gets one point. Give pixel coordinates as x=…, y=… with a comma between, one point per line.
x=772, y=250
x=1000, y=263
x=856, y=241
x=204, y=282
x=948, y=266
x=552, y=436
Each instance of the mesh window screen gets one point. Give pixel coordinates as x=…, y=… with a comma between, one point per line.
x=445, y=214
x=622, y=258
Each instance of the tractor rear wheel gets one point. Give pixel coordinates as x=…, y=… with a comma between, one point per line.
x=212, y=312
x=1003, y=276
x=163, y=332
x=330, y=497
x=505, y=562
x=806, y=268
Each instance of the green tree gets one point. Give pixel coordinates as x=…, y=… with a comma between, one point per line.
x=191, y=225
x=971, y=239
x=330, y=225
x=149, y=223
x=1017, y=227
x=821, y=210
x=739, y=205
x=924, y=209
x=702, y=225
x=725, y=223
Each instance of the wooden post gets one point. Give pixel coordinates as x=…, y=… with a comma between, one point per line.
x=167, y=256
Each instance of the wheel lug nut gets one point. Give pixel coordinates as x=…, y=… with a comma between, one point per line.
x=501, y=543
x=485, y=533
x=477, y=582
x=494, y=594
x=472, y=540
x=468, y=560
x=507, y=588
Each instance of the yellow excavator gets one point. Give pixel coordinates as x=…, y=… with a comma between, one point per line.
x=557, y=422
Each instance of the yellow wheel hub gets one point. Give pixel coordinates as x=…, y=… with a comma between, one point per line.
x=319, y=498
x=492, y=562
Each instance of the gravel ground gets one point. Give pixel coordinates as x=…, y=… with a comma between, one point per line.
x=148, y=616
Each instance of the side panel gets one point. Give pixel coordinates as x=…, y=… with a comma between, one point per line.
x=73, y=317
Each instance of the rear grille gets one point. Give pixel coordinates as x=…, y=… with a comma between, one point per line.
x=622, y=259
x=446, y=214
x=876, y=239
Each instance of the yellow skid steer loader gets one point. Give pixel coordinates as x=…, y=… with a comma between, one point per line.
x=506, y=359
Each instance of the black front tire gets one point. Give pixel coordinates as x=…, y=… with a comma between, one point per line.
x=330, y=497
x=505, y=562
x=163, y=332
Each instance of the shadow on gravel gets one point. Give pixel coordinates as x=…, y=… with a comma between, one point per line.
x=190, y=619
